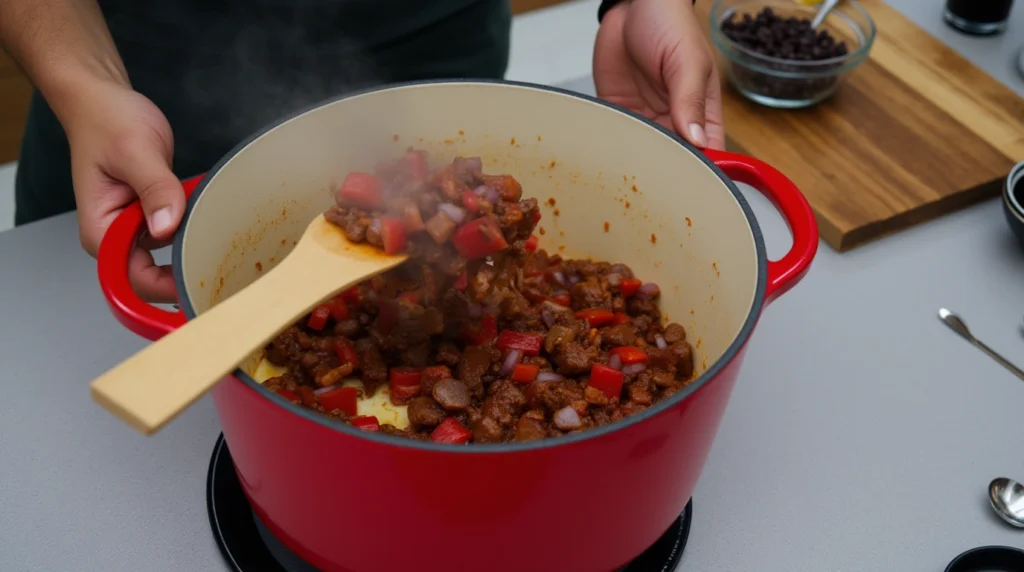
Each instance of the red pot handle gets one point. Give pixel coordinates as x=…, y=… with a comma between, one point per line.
x=783, y=274
x=112, y=265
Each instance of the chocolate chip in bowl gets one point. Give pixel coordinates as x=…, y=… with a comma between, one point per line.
x=773, y=56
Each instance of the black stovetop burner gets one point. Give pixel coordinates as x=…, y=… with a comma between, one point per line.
x=248, y=546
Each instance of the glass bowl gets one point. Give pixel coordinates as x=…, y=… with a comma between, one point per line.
x=791, y=83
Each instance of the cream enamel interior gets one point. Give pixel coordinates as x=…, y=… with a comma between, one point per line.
x=668, y=214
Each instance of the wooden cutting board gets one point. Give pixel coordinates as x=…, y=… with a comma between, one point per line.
x=915, y=132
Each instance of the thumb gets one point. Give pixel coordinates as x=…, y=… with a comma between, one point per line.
x=687, y=84
x=146, y=169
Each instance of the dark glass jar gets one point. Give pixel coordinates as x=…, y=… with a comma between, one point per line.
x=978, y=17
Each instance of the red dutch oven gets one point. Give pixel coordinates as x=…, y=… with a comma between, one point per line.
x=615, y=187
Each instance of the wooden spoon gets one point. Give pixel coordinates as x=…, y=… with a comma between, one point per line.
x=152, y=387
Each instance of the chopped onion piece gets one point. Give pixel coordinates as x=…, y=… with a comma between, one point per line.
x=474, y=310
x=546, y=376
x=633, y=368
x=375, y=225
x=615, y=362
x=324, y=390
x=574, y=280
x=491, y=195
x=662, y=344
x=614, y=279
x=481, y=190
x=455, y=213
x=548, y=317
x=511, y=361
x=651, y=289
x=559, y=277
x=567, y=419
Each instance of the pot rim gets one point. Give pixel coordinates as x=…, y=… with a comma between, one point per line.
x=1009, y=196
x=491, y=448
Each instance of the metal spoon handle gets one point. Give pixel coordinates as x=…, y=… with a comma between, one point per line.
x=995, y=355
x=823, y=11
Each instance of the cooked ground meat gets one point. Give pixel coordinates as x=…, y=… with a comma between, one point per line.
x=484, y=336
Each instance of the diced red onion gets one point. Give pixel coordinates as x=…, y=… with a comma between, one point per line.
x=615, y=362
x=633, y=368
x=651, y=289
x=453, y=212
x=559, y=277
x=375, y=225
x=511, y=361
x=574, y=279
x=481, y=190
x=567, y=419
x=546, y=376
x=473, y=164
x=548, y=317
x=474, y=310
x=614, y=279
x=491, y=195
x=662, y=344
x=324, y=390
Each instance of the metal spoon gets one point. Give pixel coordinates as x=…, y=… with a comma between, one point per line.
x=1007, y=499
x=957, y=325
x=826, y=7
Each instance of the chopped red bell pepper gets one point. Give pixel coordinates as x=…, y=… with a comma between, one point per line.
x=432, y=375
x=606, y=379
x=621, y=318
x=529, y=344
x=562, y=300
x=524, y=373
x=452, y=432
x=318, y=318
x=365, y=422
x=346, y=353
x=483, y=333
x=536, y=216
x=392, y=233
x=629, y=286
x=531, y=243
x=414, y=163
x=630, y=354
x=403, y=394
x=306, y=395
x=343, y=398
x=479, y=237
x=471, y=201
x=352, y=296
x=288, y=394
x=596, y=317
x=361, y=190
x=404, y=376
x=462, y=282
x=338, y=308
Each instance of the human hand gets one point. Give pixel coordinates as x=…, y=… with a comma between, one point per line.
x=650, y=56
x=121, y=148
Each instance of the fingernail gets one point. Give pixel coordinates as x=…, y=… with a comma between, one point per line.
x=697, y=135
x=160, y=221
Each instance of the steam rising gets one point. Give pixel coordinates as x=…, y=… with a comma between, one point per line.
x=289, y=58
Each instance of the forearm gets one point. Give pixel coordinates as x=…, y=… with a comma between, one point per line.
x=63, y=46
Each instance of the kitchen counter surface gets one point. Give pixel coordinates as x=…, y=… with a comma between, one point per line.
x=861, y=436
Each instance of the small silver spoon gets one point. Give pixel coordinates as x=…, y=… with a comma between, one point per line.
x=826, y=7
x=957, y=325
x=1007, y=499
